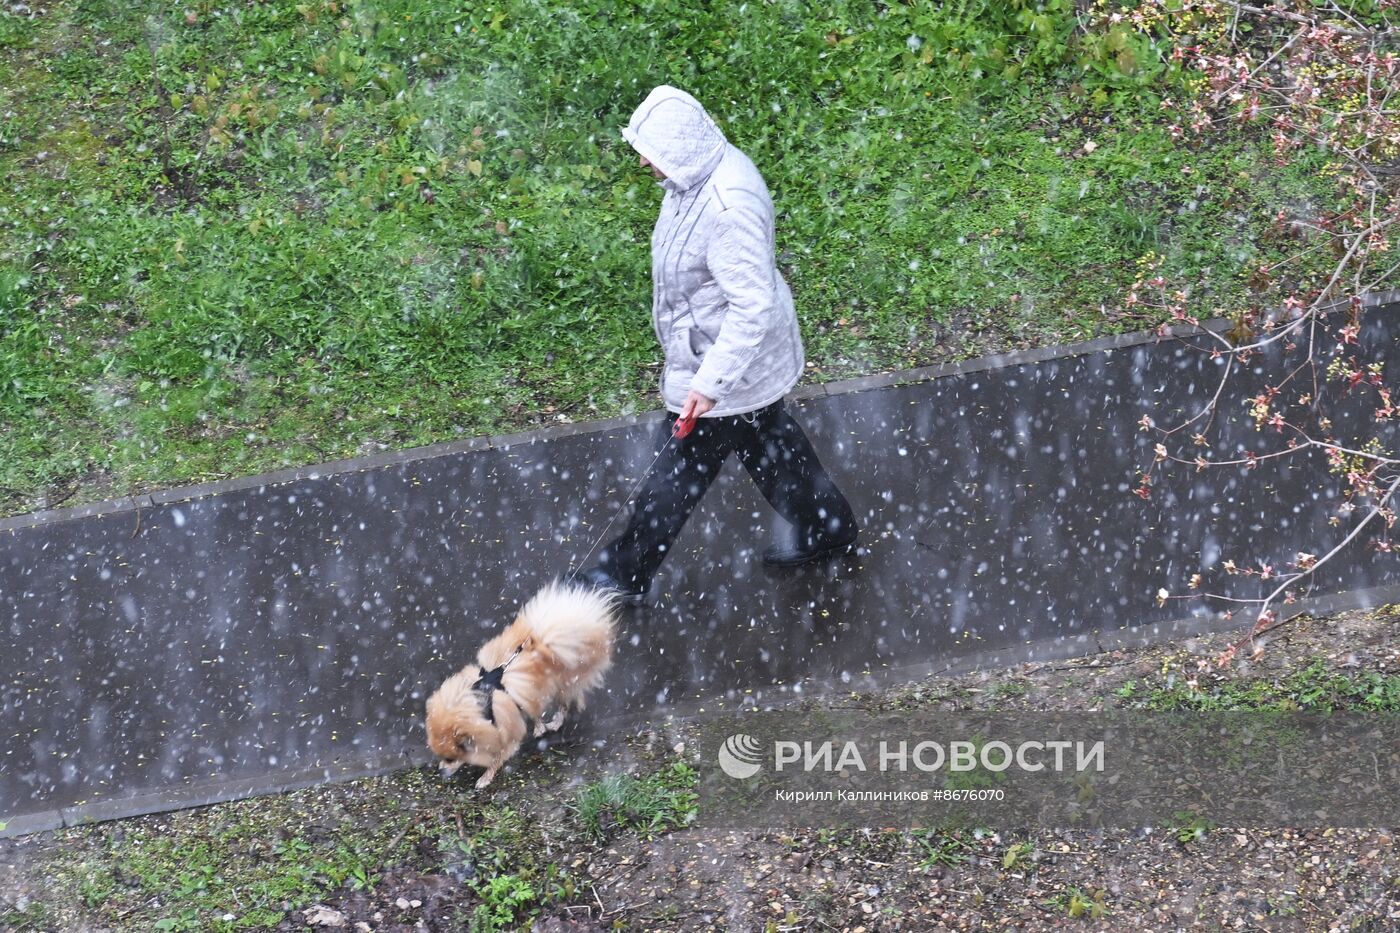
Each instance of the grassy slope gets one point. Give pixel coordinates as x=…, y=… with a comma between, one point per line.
x=239, y=237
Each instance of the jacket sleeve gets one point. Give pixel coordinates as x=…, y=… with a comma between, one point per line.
x=740, y=257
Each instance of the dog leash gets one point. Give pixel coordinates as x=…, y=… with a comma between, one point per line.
x=679, y=430
x=488, y=682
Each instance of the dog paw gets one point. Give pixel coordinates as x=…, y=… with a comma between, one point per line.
x=556, y=723
x=486, y=778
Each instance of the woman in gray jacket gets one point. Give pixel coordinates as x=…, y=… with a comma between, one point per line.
x=725, y=319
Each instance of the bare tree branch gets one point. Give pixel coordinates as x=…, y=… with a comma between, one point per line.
x=1308, y=21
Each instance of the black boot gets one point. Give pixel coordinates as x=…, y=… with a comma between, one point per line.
x=598, y=578
x=794, y=555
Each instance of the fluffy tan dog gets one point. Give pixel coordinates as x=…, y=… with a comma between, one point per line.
x=555, y=651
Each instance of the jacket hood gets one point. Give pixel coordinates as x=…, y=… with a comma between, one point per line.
x=676, y=135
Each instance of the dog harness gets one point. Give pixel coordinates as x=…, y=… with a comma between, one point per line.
x=488, y=682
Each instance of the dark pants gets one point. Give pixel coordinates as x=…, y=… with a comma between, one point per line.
x=777, y=454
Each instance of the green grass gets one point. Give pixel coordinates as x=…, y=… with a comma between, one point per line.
x=237, y=239
x=253, y=864
x=242, y=866
x=649, y=805
x=509, y=879
x=1312, y=689
x=1009, y=689
x=940, y=847
x=34, y=917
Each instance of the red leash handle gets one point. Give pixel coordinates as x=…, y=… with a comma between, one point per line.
x=682, y=427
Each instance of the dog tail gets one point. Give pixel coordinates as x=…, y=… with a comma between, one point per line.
x=575, y=622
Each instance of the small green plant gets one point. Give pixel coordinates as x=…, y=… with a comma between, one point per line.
x=941, y=847
x=1190, y=827
x=359, y=878
x=1010, y=688
x=1016, y=854
x=1138, y=231
x=648, y=805
x=505, y=901
x=96, y=887
x=187, y=919
x=1077, y=905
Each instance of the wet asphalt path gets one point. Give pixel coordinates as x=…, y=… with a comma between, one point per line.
x=265, y=636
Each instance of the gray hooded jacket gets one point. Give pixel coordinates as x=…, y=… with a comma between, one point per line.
x=722, y=311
